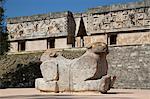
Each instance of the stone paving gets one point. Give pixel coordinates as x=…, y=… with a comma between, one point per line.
x=31, y=93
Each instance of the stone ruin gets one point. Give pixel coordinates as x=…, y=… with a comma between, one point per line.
x=119, y=25
x=85, y=71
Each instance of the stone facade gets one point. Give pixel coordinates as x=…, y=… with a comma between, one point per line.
x=131, y=66
x=36, y=45
x=122, y=24
x=32, y=27
x=133, y=38
x=38, y=30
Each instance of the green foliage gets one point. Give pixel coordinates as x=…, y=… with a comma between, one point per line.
x=4, y=44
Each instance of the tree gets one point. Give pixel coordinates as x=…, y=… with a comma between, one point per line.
x=4, y=45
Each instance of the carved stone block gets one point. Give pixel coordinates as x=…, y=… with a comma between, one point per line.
x=85, y=73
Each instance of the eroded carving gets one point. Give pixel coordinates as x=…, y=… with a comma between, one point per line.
x=36, y=28
x=118, y=19
x=85, y=73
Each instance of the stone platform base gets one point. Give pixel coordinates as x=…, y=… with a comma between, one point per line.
x=102, y=85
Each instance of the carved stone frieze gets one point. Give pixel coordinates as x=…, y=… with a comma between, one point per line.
x=118, y=19
x=37, y=28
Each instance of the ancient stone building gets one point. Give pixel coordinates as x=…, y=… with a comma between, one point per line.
x=124, y=27
x=122, y=24
x=40, y=32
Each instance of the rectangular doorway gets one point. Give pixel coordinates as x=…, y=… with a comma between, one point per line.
x=50, y=43
x=21, y=46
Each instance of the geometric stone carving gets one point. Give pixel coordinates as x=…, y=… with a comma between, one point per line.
x=85, y=73
x=119, y=19
x=36, y=28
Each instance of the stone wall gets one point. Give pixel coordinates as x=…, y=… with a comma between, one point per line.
x=133, y=38
x=131, y=65
x=62, y=43
x=36, y=45
x=13, y=47
x=117, y=7
x=91, y=39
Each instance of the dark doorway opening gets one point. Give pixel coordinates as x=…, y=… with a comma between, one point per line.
x=113, y=39
x=51, y=43
x=21, y=46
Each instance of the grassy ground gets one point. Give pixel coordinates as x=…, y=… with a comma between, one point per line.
x=19, y=70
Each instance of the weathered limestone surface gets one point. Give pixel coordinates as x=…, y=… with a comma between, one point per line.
x=49, y=70
x=99, y=38
x=116, y=7
x=14, y=46
x=38, y=17
x=41, y=26
x=34, y=45
x=133, y=38
x=118, y=20
x=62, y=43
x=131, y=65
x=91, y=39
x=42, y=85
x=86, y=73
x=87, y=40
x=126, y=20
x=99, y=24
x=50, y=54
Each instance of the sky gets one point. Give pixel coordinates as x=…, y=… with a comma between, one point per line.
x=16, y=8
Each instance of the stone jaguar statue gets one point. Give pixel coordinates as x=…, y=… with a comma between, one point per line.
x=85, y=73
